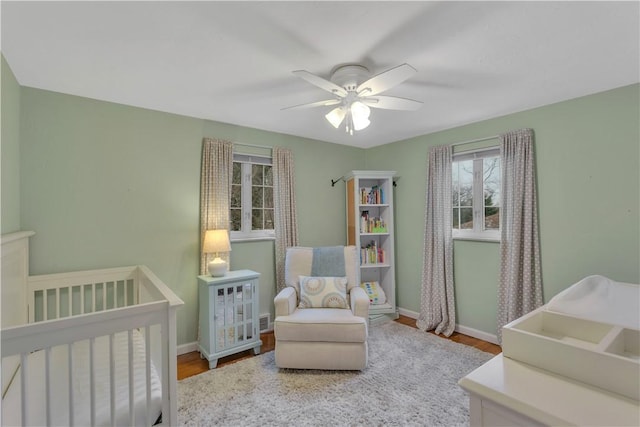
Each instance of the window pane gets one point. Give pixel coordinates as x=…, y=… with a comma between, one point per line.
x=268, y=175
x=465, y=176
x=491, y=218
x=455, y=183
x=256, y=175
x=466, y=195
x=466, y=218
x=237, y=173
x=256, y=197
x=236, y=196
x=268, y=219
x=491, y=176
x=476, y=194
x=256, y=219
x=268, y=197
x=236, y=219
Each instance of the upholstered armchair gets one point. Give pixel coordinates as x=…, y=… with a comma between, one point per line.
x=322, y=313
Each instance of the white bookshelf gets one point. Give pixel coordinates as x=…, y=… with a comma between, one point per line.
x=370, y=224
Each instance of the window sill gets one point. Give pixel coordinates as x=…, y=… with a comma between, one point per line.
x=252, y=239
x=478, y=237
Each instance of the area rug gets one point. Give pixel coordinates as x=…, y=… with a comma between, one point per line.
x=411, y=380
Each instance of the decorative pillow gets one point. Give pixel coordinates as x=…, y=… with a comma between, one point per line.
x=375, y=292
x=323, y=292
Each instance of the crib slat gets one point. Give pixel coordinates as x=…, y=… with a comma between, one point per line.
x=93, y=296
x=24, y=368
x=53, y=299
x=131, y=411
x=70, y=359
x=92, y=381
x=104, y=296
x=45, y=305
x=112, y=379
x=147, y=359
x=47, y=375
x=82, y=299
x=126, y=294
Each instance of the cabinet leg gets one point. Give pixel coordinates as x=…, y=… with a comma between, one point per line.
x=213, y=363
x=256, y=350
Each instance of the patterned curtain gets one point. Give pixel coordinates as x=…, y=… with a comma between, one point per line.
x=437, y=307
x=520, y=289
x=215, y=191
x=284, y=201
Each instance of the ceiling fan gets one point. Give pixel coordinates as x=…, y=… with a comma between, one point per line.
x=353, y=91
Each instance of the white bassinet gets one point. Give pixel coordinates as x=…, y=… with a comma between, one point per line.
x=86, y=348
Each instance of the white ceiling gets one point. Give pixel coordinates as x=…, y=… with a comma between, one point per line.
x=232, y=61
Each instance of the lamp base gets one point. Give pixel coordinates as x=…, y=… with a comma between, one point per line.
x=218, y=267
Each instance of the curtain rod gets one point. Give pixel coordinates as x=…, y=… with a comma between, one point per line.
x=475, y=140
x=267, y=147
x=335, y=181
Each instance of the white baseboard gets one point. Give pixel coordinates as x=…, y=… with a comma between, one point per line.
x=485, y=336
x=187, y=348
x=408, y=313
x=475, y=333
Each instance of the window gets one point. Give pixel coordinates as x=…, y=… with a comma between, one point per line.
x=251, y=198
x=476, y=195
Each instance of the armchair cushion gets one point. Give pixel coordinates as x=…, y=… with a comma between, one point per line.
x=321, y=325
x=323, y=292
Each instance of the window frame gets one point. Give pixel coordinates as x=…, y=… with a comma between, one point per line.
x=478, y=232
x=247, y=233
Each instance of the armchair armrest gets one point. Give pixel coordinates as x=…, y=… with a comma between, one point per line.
x=286, y=301
x=359, y=302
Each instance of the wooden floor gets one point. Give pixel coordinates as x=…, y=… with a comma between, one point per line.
x=191, y=364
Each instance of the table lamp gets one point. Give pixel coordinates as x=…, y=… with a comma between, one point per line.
x=216, y=242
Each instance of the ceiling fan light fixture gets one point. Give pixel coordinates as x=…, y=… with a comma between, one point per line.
x=360, y=115
x=336, y=116
x=355, y=92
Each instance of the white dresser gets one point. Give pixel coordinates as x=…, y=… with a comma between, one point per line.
x=505, y=392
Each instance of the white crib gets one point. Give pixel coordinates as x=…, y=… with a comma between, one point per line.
x=86, y=348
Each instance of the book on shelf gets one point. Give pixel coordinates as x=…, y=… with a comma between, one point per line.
x=372, y=195
x=372, y=254
x=372, y=224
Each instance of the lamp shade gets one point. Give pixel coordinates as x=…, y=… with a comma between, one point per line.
x=336, y=116
x=360, y=115
x=216, y=241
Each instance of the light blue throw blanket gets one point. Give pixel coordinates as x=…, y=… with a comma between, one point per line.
x=328, y=261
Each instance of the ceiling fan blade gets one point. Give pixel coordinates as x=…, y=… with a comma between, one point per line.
x=386, y=80
x=321, y=83
x=392, y=103
x=324, y=103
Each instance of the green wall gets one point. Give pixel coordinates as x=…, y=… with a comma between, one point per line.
x=587, y=159
x=107, y=185
x=10, y=124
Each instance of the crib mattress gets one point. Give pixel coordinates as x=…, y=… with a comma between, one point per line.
x=36, y=388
